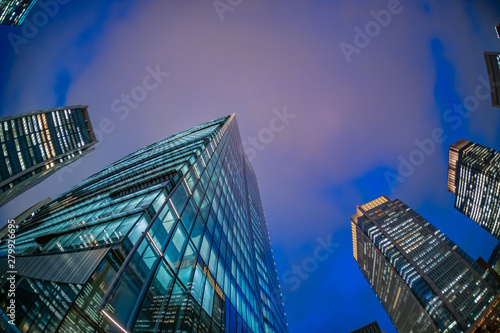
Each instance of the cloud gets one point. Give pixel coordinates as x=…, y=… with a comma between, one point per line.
x=352, y=120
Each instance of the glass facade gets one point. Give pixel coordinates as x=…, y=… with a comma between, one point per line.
x=493, y=67
x=474, y=177
x=37, y=144
x=424, y=281
x=13, y=12
x=171, y=238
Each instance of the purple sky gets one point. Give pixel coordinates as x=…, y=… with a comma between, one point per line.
x=352, y=121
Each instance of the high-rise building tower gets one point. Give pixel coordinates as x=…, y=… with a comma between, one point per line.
x=370, y=328
x=171, y=238
x=494, y=260
x=13, y=12
x=489, y=321
x=493, y=67
x=424, y=281
x=474, y=177
x=37, y=144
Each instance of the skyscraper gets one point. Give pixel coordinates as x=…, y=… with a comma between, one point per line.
x=474, y=177
x=37, y=144
x=13, y=12
x=370, y=328
x=489, y=321
x=171, y=238
x=493, y=67
x=494, y=260
x=4, y=231
x=424, y=281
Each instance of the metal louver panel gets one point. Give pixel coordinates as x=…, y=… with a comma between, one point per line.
x=72, y=267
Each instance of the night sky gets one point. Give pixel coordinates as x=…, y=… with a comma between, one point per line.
x=333, y=99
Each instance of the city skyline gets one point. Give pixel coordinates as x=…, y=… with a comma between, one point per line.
x=337, y=102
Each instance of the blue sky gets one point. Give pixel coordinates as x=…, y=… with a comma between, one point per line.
x=353, y=116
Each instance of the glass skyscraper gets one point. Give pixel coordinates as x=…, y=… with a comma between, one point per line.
x=370, y=328
x=13, y=12
x=474, y=178
x=424, y=281
x=37, y=144
x=493, y=67
x=171, y=238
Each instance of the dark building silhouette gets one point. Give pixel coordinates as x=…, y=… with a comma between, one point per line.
x=493, y=67
x=494, y=260
x=370, y=328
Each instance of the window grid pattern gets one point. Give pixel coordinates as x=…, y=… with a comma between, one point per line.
x=200, y=256
x=208, y=255
x=478, y=186
x=453, y=289
x=36, y=144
